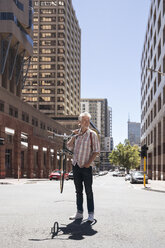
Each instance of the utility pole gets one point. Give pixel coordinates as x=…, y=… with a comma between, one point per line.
x=144, y=149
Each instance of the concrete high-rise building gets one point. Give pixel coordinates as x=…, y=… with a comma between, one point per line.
x=153, y=91
x=134, y=133
x=101, y=117
x=26, y=149
x=53, y=80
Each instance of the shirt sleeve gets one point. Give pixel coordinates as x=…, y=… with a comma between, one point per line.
x=96, y=143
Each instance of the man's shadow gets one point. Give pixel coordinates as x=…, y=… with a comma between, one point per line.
x=78, y=229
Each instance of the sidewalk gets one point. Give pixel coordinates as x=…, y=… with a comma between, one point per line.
x=156, y=185
x=14, y=181
x=153, y=185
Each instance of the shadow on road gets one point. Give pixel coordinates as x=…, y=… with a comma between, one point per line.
x=75, y=230
x=78, y=229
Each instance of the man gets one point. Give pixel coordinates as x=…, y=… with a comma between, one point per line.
x=86, y=147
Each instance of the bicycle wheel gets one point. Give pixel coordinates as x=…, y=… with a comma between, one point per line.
x=62, y=171
x=54, y=229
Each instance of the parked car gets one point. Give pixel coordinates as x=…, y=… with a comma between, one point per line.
x=56, y=174
x=127, y=177
x=121, y=173
x=138, y=177
x=118, y=174
x=70, y=175
x=115, y=174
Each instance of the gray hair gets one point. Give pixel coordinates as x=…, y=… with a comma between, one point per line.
x=84, y=114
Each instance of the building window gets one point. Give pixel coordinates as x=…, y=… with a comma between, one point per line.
x=42, y=125
x=155, y=87
x=159, y=23
x=60, y=107
x=19, y=5
x=154, y=110
x=25, y=117
x=164, y=95
x=13, y=111
x=155, y=62
x=34, y=122
x=45, y=99
x=159, y=76
x=159, y=103
x=163, y=7
x=154, y=40
x=46, y=3
x=151, y=95
x=48, y=27
x=48, y=11
x=151, y=117
x=2, y=106
x=61, y=11
x=60, y=91
x=151, y=137
x=159, y=49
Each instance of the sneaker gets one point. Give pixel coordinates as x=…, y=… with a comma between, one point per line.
x=77, y=216
x=91, y=217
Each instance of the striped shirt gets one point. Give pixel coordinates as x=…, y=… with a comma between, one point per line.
x=83, y=149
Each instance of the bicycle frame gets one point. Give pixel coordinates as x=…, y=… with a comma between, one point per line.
x=62, y=153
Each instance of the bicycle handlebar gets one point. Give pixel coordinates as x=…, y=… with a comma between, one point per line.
x=64, y=136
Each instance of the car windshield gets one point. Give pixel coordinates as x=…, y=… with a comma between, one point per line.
x=139, y=173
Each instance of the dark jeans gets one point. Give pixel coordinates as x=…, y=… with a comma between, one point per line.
x=83, y=175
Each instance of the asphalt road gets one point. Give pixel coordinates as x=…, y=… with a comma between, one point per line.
x=126, y=216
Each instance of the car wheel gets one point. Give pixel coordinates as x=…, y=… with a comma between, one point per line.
x=50, y=179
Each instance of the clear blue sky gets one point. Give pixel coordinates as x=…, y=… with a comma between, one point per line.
x=112, y=40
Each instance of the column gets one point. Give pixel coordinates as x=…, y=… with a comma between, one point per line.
x=154, y=158
x=163, y=148
x=149, y=161
x=159, y=151
x=30, y=157
x=48, y=162
x=161, y=159
x=40, y=162
x=55, y=160
x=2, y=154
x=17, y=153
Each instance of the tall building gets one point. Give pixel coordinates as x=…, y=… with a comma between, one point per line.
x=16, y=42
x=53, y=80
x=26, y=148
x=153, y=91
x=101, y=117
x=134, y=133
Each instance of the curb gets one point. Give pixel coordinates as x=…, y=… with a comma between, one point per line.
x=154, y=190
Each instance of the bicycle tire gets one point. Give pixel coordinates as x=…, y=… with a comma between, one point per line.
x=54, y=229
x=62, y=169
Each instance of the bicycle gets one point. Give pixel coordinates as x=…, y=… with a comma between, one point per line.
x=62, y=161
